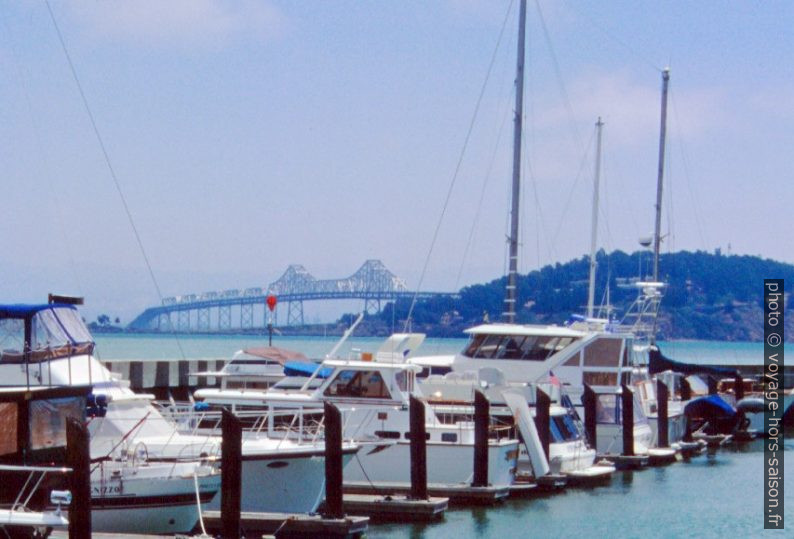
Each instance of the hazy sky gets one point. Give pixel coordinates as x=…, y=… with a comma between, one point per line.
x=250, y=135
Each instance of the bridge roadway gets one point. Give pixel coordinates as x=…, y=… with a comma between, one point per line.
x=212, y=311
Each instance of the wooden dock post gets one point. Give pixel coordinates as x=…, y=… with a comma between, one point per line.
x=738, y=389
x=482, y=420
x=231, y=474
x=418, y=450
x=543, y=419
x=627, y=407
x=712, y=385
x=78, y=458
x=662, y=424
x=334, y=507
x=589, y=404
x=686, y=390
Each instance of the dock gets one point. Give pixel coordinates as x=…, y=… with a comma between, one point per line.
x=394, y=508
x=457, y=494
x=291, y=525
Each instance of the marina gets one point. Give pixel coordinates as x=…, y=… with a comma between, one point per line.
x=553, y=419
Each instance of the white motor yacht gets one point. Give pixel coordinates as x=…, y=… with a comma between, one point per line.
x=373, y=397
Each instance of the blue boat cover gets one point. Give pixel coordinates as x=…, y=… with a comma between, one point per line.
x=302, y=368
x=710, y=405
x=19, y=310
x=657, y=363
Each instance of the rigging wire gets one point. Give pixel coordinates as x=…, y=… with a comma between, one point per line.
x=112, y=171
x=457, y=169
x=558, y=74
x=44, y=165
x=634, y=51
x=687, y=176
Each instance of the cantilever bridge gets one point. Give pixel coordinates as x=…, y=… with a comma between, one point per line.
x=246, y=308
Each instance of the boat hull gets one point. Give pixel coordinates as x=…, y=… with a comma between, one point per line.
x=447, y=463
x=146, y=502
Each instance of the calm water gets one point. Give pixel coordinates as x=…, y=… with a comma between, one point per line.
x=717, y=495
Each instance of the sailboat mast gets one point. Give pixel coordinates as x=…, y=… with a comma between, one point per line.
x=662, y=136
x=594, y=232
x=510, y=291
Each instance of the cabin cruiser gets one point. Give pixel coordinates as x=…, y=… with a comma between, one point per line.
x=372, y=392
x=574, y=355
x=49, y=345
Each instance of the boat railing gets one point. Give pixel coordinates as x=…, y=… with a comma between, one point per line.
x=298, y=425
x=36, y=476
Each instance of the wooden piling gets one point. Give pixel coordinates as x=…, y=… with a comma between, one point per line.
x=686, y=390
x=738, y=390
x=627, y=407
x=231, y=474
x=418, y=450
x=78, y=458
x=482, y=420
x=334, y=507
x=543, y=419
x=712, y=385
x=589, y=404
x=662, y=423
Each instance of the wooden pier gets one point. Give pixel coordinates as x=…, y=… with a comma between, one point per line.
x=291, y=525
x=458, y=494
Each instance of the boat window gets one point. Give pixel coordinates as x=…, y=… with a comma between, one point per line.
x=604, y=352
x=489, y=347
x=8, y=427
x=367, y=384
x=12, y=339
x=556, y=435
x=607, y=409
x=600, y=378
x=46, y=332
x=48, y=420
x=512, y=348
x=73, y=324
x=565, y=427
x=401, y=377
x=639, y=416
x=474, y=345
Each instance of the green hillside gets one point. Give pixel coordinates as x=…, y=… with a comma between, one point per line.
x=709, y=295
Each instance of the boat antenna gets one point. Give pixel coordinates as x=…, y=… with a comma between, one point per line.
x=662, y=136
x=510, y=291
x=594, y=231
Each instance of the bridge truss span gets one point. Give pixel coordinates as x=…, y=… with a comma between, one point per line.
x=237, y=309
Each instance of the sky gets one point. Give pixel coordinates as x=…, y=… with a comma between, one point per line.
x=247, y=135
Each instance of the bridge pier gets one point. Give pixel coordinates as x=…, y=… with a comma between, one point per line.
x=246, y=316
x=203, y=319
x=295, y=313
x=224, y=317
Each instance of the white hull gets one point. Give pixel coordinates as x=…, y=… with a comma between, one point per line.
x=143, y=500
x=447, y=463
x=282, y=485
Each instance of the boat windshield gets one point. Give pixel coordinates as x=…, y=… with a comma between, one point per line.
x=366, y=384
x=55, y=331
x=530, y=347
x=563, y=428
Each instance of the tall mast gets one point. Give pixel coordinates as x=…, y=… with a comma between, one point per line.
x=594, y=232
x=662, y=135
x=510, y=292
